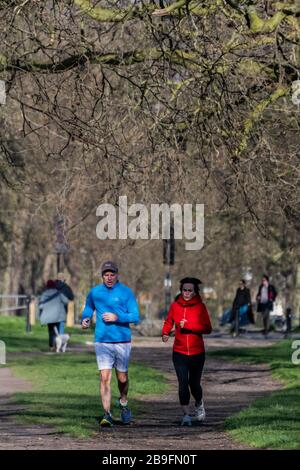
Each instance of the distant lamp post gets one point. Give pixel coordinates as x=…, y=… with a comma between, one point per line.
x=61, y=247
x=168, y=288
x=168, y=260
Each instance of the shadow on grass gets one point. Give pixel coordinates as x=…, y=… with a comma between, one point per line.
x=65, y=391
x=74, y=414
x=26, y=344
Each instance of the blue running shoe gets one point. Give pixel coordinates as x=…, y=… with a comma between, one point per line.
x=107, y=420
x=126, y=414
x=186, y=420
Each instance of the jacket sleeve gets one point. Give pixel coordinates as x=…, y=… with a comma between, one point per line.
x=89, y=308
x=40, y=304
x=202, y=325
x=168, y=323
x=235, y=300
x=249, y=297
x=132, y=315
x=67, y=291
x=64, y=299
x=258, y=294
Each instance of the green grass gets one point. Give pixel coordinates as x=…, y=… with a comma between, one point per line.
x=66, y=390
x=12, y=332
x=273, y=421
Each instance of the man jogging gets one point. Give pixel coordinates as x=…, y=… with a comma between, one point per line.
x=115, y=307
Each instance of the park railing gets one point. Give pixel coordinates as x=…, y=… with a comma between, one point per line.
x=28, y=305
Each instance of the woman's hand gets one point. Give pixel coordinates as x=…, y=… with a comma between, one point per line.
x=165, y=338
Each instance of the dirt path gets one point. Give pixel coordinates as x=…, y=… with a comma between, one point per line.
x=227, y=388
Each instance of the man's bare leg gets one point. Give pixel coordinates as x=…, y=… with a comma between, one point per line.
x=105, y=389
x=123, y=384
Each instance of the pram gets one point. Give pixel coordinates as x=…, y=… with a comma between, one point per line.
x=243, y=316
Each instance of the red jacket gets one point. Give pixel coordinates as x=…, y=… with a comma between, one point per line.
x=188, y=340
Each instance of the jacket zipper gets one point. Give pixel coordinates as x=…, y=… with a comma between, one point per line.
x=187, y=336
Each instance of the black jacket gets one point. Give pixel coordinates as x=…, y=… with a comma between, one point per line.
x=272, y=294
x=64, y=289
x=242, y=297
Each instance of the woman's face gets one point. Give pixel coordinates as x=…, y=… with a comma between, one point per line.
x=188, y=291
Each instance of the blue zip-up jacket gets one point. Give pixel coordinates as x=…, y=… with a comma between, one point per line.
x=118, y=299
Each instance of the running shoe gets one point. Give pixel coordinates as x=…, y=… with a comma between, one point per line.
x=126, y=414
x=107, y=420
x=186, y=420
x=200, y=411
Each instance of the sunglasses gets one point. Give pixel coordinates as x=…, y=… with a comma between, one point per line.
x=188, y=290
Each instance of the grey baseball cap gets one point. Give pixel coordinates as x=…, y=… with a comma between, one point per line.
x=109, y=266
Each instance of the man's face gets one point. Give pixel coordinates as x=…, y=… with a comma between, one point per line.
x=109, y=278
x=265, y=282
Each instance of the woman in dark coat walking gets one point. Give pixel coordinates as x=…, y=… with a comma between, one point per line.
x=242, y=298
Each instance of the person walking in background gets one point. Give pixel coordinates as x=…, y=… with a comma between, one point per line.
x=190, y=317
x=52, y=310
x=288, y=320
x=242, y=300
x=265, y=301
x=64, y=288
x=116, y=307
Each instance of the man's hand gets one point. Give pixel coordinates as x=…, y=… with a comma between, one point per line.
x=182, y=322
x=85, y=323
x=165, y=338
x=109, y=317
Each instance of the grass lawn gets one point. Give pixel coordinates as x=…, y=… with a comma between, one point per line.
x=273, y=421
x=12, y=332
x=65, y=390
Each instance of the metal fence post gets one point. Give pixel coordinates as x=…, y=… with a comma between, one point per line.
x=28, y=325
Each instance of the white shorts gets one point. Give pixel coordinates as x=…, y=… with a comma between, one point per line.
x=113, y=355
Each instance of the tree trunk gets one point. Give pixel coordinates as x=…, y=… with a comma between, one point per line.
x=296, y=297
x=12, y=282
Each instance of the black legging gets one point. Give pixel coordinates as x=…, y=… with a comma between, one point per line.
x=189, y=370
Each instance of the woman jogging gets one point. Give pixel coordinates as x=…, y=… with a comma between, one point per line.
x=190, y=317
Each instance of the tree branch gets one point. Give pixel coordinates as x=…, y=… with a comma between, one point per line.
x=256, y=115
x=108, y=14
x=257, y=25
x=118, y=15
x=179, y=57
x=188, y=6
